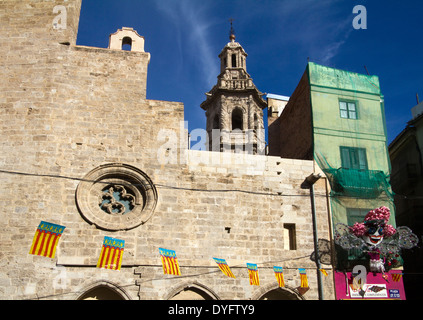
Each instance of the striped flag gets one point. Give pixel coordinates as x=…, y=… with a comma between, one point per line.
x=223, y=266
x=169, y=262
x=279, y=276
x=253, y=274
x=45, y=239
x=396, y=277
x=303, y=276
x=111, y=254
x=324, y=272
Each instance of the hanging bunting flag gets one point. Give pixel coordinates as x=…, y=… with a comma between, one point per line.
x=303, y=276
x=45, y=239
x=111, y=254
x=324, y=272
x=223, y=266
x=279, y=276
x=396, y=277
x=253, y=274
x=170, y=262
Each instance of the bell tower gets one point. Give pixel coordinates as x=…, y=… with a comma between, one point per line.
x=234, y=106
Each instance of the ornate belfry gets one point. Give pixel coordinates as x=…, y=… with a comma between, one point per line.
x=234, y=106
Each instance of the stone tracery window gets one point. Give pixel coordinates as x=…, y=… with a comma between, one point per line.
x=116, y=197
x=116, y=200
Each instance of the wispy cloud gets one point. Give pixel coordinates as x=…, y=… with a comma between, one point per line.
x=192, y=27
x=319, y=27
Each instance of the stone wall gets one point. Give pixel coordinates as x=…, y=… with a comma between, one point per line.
x=67, y=110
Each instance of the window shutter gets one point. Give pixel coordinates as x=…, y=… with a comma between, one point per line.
x=362, y=159
x=345, y=157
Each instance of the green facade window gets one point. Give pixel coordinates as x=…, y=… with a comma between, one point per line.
x=356, y=215
x=354, y=158
x=348, y=109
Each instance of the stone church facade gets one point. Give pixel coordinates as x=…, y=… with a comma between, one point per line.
x=77, y=129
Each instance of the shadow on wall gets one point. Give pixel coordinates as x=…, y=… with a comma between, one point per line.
x=325, y=255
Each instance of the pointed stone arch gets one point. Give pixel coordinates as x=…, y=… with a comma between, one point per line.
x=274, y=292
x=191, y=291
x=103, y=290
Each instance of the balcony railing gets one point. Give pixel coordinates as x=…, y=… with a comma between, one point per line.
x=368, y=184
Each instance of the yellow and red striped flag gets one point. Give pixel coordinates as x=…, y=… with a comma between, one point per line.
x=303, y=276
x=169, y=262
x=111, y=254
x=396, y=277
x=46, y=239
x=223, y=266
x=253, y=274
x=279, y=276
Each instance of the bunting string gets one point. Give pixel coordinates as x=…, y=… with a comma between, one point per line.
x=47, y=236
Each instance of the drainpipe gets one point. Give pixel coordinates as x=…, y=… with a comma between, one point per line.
x=310, y=181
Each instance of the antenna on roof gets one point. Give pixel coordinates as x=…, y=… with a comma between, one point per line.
x=417, y=98
x=367, y=71
x=232, y=31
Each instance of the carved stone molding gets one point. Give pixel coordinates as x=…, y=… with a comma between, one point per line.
x=103, y=192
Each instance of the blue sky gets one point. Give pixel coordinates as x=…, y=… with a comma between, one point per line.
x=184, y=38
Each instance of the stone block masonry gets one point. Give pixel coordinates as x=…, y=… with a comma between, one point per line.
x=66, y=110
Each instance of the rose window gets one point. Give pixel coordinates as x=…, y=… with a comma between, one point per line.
x=116, y=200
x=116, y=197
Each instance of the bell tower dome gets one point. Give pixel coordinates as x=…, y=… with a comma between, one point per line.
x=234, y=106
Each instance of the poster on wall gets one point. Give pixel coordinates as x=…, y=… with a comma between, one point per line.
x=375, y=287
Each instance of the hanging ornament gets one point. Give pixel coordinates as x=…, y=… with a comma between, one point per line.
x=380, y=240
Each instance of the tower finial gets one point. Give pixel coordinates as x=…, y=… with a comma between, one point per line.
x=232, y=31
